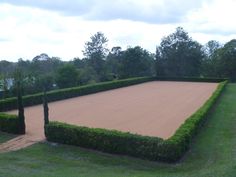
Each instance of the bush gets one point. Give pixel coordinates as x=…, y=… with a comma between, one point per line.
x=181, y=140
x=9, y=123
x=152, y=148
x=29, y=100
x=111, y=141
x=191, y=79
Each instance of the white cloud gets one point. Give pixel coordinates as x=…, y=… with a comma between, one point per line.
x=29, y=28
x=214, y=19
x=33, y=31
x=149, y=11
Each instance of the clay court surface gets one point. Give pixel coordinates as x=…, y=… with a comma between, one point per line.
x=155, y=109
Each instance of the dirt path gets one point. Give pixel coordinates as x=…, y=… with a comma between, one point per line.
x=19, y=142
x=153, y=109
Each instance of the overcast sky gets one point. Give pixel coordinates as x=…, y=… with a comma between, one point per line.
x=61, y=27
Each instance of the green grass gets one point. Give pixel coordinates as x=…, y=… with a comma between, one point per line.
x=5, y=137
x=213, y=154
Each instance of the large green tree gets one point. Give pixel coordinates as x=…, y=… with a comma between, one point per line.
x=67, y=76
x=3, y=86
x=42, y=66
x=226, y=60
x=113, y=61
x=136, y=62
x=87, y=74
x=179, y=55
x=209, y=62
x=95, y=52
x=7, y=67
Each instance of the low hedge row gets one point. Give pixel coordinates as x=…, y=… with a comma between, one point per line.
x=111, y=141
x=29, y=100
x=152, y=148
x=180, y=142
x=192, y=79
x=9, y=123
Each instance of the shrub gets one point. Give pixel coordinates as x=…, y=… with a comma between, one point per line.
x=9, y=123
x=191, y=79
x=111, y=141
x=181, y=140
x=152, y=148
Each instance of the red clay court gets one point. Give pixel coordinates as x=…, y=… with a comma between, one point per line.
x=155, y=108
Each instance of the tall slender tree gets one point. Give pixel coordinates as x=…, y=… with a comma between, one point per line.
x=21, y=115
x=95, y=52
x=45, y=107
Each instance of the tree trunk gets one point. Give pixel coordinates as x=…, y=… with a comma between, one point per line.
x=21, y=116
x=45, y=108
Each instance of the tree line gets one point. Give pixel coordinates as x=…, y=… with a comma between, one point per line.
x=177, y=55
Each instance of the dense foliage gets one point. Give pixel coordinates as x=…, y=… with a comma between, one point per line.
x=226, y=61
x=66, y=76
x=136, y=62
x=9, y=123
x=178, y=55
x=191, y=79
x=105, y=140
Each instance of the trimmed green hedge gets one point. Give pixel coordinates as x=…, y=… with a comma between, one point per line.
x=192, y=79
x=152, y=148
x=9, y=123
x=29, y=100
x=111, y=141
x=180, y=142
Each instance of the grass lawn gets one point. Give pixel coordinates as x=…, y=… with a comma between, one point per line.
x=213, y=154
x=5, y=136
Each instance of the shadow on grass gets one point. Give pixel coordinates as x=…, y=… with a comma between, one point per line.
x=6, y=136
